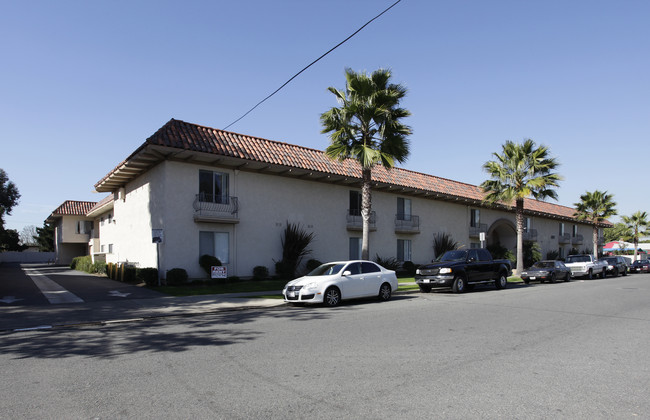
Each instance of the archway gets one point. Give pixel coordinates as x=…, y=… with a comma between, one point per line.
x=504, y=233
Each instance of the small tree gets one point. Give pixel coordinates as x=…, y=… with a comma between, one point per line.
x=443, y=242
x=638, y=226
x=45, y=237
x=595, y=207
x=295, y=245
x=28, y=235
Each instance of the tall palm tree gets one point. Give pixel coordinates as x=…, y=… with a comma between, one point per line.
x=366, y=127
x=595, y=207
x=520, y=171
x=638, y=224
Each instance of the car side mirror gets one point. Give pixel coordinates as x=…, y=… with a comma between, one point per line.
x=472, y=259
x=347, y=273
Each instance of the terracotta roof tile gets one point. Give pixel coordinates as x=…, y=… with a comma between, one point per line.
x=74, y=208
x=182, y=135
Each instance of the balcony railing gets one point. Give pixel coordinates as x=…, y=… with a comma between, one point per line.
x=407, y=223
x=475, y=231
x=565, y=238
x=530, y=235
x=216, y=209
x=577, y=240
x=355, y=220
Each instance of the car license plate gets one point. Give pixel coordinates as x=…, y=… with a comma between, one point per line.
x=532, y=277
x=426, y=281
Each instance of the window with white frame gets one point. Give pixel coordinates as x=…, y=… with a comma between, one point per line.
x=101, y=221
x=355, y=248
x=213, y=187
x=404, y=250
x=561, y=229
x=110, y=248
x=102, y=249
x=403, y=208
x=216, y=244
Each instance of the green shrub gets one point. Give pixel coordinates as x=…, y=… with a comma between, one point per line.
x=147, y=275
x=409, y=267
x=388, y=263
x=312, y=264
x=99, y=267
x=129, y=274
x=260, y=272
x=84, y=263
x=233, y=279
x=207, y=262
x=176, y=276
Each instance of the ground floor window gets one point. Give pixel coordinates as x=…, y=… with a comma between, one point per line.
x=404, y=249
x=355, y=248
x=215, y=244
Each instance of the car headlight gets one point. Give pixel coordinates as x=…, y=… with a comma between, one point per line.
x=312, y=286
x=445, y=270
x=417, y=271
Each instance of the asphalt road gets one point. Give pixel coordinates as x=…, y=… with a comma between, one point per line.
x=567, y=350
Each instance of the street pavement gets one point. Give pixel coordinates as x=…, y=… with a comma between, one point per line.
x=103, y=301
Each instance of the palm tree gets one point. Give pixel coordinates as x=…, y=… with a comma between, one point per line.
x=638, y=225
x=366, y=127
x=520, y=171
x=595, y=207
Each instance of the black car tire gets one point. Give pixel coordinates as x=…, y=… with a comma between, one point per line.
x=527, y=281
x=459, y=284
x=552, y=280
x=385, y=292
x=424, y=288
x=568, y=277
x=603, y=274
x=332, y=296
x=616, y=273
x=501, y=282
x=625, y=272
x=590, y=274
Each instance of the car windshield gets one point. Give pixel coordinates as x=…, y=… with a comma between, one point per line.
x=453, y=256
x=326, y=269
x=544, y=264
x=577, y=258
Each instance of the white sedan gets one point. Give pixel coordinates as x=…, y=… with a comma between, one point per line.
x=332, y=282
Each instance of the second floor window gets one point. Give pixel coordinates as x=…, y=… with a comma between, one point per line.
x=561, y=229
x=575, y=230
x=355, y=203
x=213, y=187
x=84, y=226
x=475, y=218
x=527, y=224
x=403, y=208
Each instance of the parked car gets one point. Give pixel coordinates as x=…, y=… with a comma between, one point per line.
x=335, y=281
x=616, y=265
x=641, y=266
x=584, y=265
x=462, y=269
x=546, y=271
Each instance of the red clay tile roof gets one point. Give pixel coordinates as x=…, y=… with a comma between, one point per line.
x=178, y=134
x=73, y=208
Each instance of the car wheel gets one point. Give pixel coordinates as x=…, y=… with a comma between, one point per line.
x=625, y=272
x=568, y=277
x=603, y=274
x=552, y=280
x=501, y=282
x=616, y=273
x=385, y=292
x=332, y=296
x=424, y=289
x=590, y=274
x=527, y=281
x=459, y=284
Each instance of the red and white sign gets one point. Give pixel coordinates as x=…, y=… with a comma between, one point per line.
x=218, y=272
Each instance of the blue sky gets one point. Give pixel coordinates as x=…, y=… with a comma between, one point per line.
x=84, y=83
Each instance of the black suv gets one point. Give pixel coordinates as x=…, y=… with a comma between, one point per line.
x=616, y=265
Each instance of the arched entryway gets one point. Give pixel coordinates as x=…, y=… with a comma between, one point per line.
x=504, y=233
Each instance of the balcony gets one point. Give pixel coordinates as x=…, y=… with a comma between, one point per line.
x=355, y=221
x=475, y=231
x=565, y=238
x=407, y=223
x=216, y=209
x=577, y=240
x=530, y=235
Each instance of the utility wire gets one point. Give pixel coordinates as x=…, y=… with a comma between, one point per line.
x=310, y=64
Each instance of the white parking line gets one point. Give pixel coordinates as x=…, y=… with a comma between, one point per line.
x=52, y=291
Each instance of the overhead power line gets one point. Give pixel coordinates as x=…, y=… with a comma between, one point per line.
x=311, y=64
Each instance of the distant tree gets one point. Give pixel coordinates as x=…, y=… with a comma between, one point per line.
x=9, y=196
x=367, y=128
x=520, y=171
x=618, y=232
x=638, y=225
x=10, y=240
x=45, y=237
x=28, y=235
x=595, y=207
